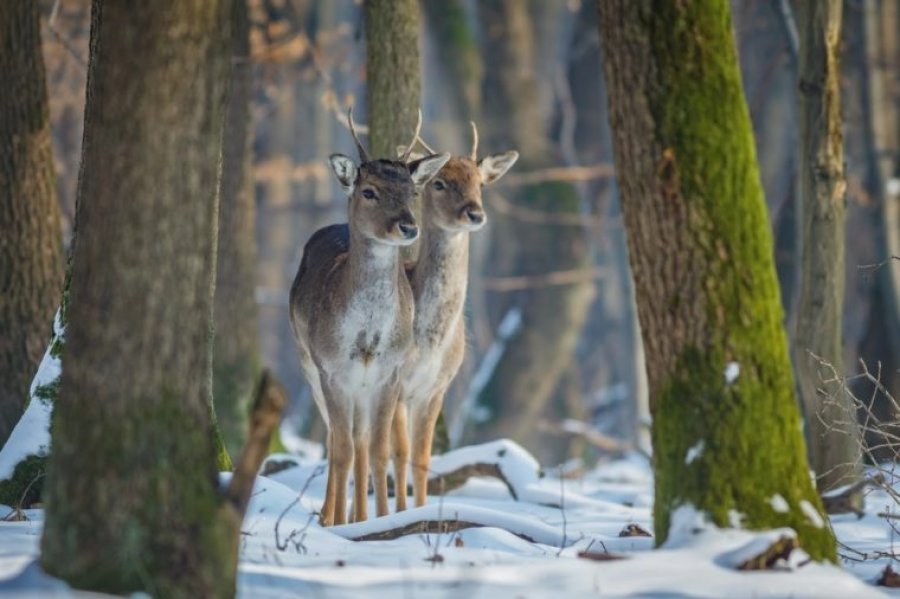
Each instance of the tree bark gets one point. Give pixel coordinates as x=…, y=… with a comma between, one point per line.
x=132, y=497
x=236, y=343
x=31, y=264
x=552, y=316
x=834, y=450
x=726, y=427
x=393, y=81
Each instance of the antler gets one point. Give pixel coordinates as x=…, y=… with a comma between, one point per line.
x=474, y=154
x=363, y=155
x=415, y=136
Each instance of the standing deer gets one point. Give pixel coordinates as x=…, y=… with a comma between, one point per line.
x=451, y=209
x=352, y=315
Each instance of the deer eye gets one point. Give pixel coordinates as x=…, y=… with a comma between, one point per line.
x=368, y=194
x=439, y=185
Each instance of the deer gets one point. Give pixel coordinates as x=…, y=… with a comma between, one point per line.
x=351, y=312
x=451, y=209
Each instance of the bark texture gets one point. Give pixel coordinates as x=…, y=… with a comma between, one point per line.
x=726, y=427
x=535, y=359
x=393, y=81
x=31, y=263
x=236, y=342
x=834, y=449
x=132, y=498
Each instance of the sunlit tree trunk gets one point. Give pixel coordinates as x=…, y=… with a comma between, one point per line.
x=31, y=264
x=726, y=427
x=834, y=449
x=132, y=498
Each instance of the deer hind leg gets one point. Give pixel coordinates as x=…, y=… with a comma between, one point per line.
x=360, y=477
x=401, y=454
x=423, y=434
x=381, y=445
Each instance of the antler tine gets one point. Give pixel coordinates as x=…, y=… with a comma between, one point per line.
x=363, y=154
x=474, y=154
x=425, y=145
x=415, y=136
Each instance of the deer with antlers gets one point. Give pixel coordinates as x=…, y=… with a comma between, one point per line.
x=351, y=310
x=451, y=209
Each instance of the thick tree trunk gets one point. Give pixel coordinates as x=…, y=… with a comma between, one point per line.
x=726, y=428
x=834, y=449
x=31, y=265
x=132, y=498
x=393, y=80
x=236, y=342
x=552, y=317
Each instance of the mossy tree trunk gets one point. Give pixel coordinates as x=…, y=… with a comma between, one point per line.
x=132, y=499
x=527, y=375
x=236, y=341
x=834, y=449
x=31, y=263
x=726, y=427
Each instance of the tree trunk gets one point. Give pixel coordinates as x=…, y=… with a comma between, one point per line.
x=236, y=342
x=552, y=317
x=393, y=80
x=132, y=498
x=726, y=427
x=31, y=265
x=834, y=449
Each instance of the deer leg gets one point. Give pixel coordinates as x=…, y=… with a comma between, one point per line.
x=423, y=434
x=360, y=477
x=381, y=446
x=339, y=462
x=401, y=454
x=327, y=516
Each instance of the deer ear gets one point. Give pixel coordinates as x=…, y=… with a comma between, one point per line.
x=423, y=169
x=495, y=166
x=345, y=170
x=401, y=150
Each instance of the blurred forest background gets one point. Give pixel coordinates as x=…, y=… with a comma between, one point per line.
x=555, y=357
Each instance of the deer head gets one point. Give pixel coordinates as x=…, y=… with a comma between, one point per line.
x=453, y=199
x=381, y=191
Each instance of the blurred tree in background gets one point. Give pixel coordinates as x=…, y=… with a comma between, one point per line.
x=31, y=259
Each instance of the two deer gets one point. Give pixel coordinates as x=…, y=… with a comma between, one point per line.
x=378, y=344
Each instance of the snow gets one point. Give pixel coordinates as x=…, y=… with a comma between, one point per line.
x=732, y=371
x=31, y=436
x=694, y=452
x=779, y=504
x=811, y=514
x=284, y=551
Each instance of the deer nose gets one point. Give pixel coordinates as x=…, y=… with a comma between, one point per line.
x=476, y=216
x=409, y=230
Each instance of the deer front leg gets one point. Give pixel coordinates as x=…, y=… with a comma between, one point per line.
x=401, y=454
x=423, y=434
x=340, y=459
x=381, y=445
x=360, y=477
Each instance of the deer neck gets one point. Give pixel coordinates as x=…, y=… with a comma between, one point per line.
x=439, y=281
x=372, y=265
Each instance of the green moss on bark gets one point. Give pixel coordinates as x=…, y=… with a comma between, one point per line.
x=701, y=251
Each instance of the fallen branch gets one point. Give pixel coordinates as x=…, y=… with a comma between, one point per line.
x=587, y=432
x=449, y=481
x=426, y=527
x=780, y=550
x=841, y=502
x=264, y=420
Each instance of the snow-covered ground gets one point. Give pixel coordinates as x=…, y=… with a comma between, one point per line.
x=523, y=547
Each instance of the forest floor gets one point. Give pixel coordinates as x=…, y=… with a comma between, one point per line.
x=531, y=535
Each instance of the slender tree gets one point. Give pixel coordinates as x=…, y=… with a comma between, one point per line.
x=31, y=264
x=132, y=500
x=726, y=427
x=236, y=341
x=834, y=448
